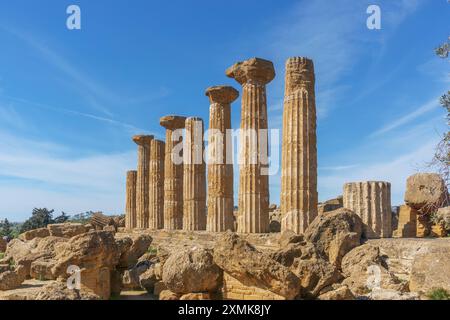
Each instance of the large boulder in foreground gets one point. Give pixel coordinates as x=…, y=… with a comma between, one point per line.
x=431, y=270
x=12, y=279
x=426, y=192
x=335, y=233
x=92, y=250
x=253, y=268
x=315, y=272
x=366, y=272
x=26, y=252
x=96, y=254
x=191, y=270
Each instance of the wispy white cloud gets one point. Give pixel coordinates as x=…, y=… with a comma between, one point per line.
x=47, y=178
x=72, y=112
x=427, y=107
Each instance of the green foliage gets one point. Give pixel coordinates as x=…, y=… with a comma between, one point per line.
x=40, y=218
x=2, y=254
x=441, y=159
x=83, y=217
x=438, y=294
x=443, y=50
x=152, y=250
x=5, y=228
x=62, y=218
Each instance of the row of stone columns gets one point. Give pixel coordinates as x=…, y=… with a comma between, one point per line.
x=180, y=201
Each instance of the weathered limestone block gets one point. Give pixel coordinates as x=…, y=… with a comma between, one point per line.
x=253, y=75
x=156, y=208
x=36, y=233
x=233, y=289
x=173, y=172
x=426, y=192
x=142, y=181
x=191, y=270
x=423, y=226
x=299, y=149
x=99, y=221
x=194, y=177
x=96, y=254
x=371, y=200
x=407, y=220
x=253, y=268
x=431, y=270
x=330, y=205
x=335, y=234
x=220, y=166
x=66, y=230
x=130, y=201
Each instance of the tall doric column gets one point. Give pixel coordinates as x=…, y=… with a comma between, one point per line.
x=156, y=207
x=299, y=147
x=220, y=168
x=371, y=200
x=173, y=172
x=194, y=179
x=253, y=75
x=142, y=182
x=130, y=201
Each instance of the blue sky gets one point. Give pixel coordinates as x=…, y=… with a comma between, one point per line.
x=71, y=100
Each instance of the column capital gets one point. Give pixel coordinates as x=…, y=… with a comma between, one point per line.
x=172, y=122
x=222, y=94
x=300, y=72
x=255, y=69
x=143, y=140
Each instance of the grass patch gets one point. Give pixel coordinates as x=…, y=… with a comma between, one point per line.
x=1, y=255
x=152, y=250
x=439, y=294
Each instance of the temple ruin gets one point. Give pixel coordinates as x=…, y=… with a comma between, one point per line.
x=170, y=191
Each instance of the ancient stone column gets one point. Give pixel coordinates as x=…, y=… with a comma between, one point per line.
x=194, y=176
x=220, y=166
x=371, y=201
x=156, y=206
x=299, y=147
x=130, y=201
x=253, y=204
x=173, y=172
x=142, y=180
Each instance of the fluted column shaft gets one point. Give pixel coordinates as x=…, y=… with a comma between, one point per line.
x=253, y=75
x=156, y=207
x=220, y=166
x=371, y=200
x=130, y=202
x=299, y=196
x=142, y=181
x=173, y=173
x=194, y=179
